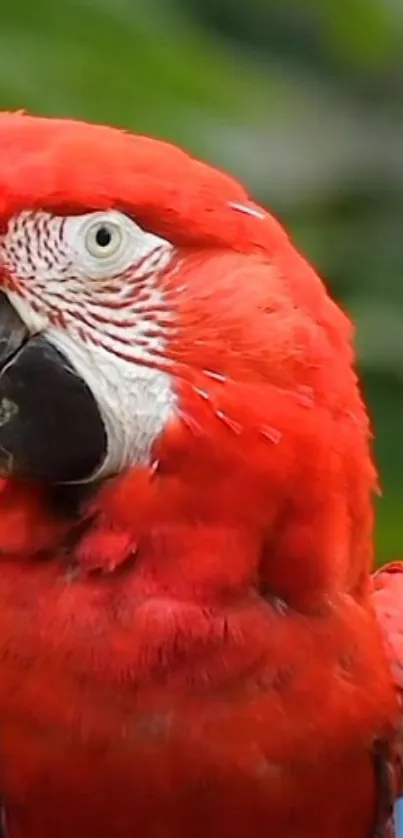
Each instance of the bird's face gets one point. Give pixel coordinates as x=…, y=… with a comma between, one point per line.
x=85, y=385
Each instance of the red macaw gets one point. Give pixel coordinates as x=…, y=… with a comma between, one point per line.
x=188, y=639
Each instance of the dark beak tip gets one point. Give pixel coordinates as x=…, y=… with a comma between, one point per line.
x=50, y=425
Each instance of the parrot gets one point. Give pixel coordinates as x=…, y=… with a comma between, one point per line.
x=192, y=642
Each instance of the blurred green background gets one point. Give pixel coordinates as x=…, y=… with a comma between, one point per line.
x=302, y=100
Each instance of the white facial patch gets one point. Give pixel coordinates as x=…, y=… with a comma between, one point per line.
x=90, y=283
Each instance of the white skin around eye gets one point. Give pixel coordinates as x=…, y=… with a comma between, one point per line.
x=96, y=257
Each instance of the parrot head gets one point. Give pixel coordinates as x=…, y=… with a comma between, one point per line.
x=152, y=317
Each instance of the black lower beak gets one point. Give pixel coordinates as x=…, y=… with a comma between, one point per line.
x=50, y=425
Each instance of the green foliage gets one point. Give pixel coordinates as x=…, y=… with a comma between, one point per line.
x=302, y=99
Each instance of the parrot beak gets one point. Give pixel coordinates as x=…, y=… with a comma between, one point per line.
x=51, y=428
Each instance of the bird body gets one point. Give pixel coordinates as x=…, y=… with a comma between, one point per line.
x=188, y=641
x=124, y=708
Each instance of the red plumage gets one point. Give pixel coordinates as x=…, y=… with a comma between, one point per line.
x=195, y=651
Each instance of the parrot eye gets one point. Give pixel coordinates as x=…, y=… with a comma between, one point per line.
x=107, y=243
x=103, y=239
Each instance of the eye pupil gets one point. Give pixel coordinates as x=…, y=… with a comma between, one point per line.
x=103, y=237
